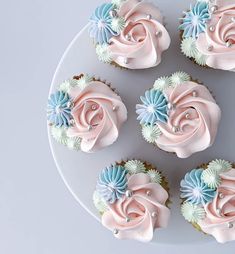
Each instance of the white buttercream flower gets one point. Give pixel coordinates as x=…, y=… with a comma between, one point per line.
x=220, y=165
x=179, y=77
x=59, y=134
x=188, y=47
x=162, y=83
x=103, y=53
x=151, y=133
x=155, y=176
x=134, y=166
x=192, y=213
x=211, y=177
x=99, y=203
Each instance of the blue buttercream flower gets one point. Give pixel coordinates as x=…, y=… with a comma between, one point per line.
x=112, y=183
x=59, y=109
x=101, y=24
x=195, y=20
x=153, y=109
x=194, y=190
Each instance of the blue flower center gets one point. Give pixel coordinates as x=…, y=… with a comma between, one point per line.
x=195, y=20
x=58, y=109
x=197, y=192
x=101, y=24
x=112, y=186
x=151, y=108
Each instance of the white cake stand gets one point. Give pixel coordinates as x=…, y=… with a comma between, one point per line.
x=79, y=170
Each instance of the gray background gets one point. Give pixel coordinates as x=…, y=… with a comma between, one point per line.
x=37, y=212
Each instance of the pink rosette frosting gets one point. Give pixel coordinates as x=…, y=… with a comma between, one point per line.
x=98, y=114
x=146, y=212
x=143, y=39
x=193, y=122
x=220, y=213
x=220, y=55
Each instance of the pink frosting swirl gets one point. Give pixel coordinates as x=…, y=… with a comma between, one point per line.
x=220, y=214
x=220, y=56
x=145, y=212
x=139, y=43
x=193, y=122
x=98, y=114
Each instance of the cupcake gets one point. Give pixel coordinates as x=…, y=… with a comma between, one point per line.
x=129, y=34
x=85, y=114
x=179, y=115
x=208, y=34
x=132, y=198
x=208, y=199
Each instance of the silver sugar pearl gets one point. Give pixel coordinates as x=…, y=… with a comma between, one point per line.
x=113, y=13
x=230, y=225
x=233, y=19
x=228, y=44
x=148, y=193
x=129, y=193
x=128, y=37
x=72, y=122
x=214, y=8
x=89, y=128
x=175, y=129
x=115, y=108
x=128, y=219
x=69, y=104
x=115, y=231
x=93, y=107
x=218, y=211
x=221, y=195
x=158, y=33
x=171, y=106
x=194, y=93
x=210, y=48
x=212, y=28
x=149, y=16
x=125, y=60
x=154, y=214
x=187, y=116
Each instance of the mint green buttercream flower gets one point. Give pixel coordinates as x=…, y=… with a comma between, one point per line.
x=192, y=213
x=103, y=53
x=162, y=83
x=118, y=24
x=155, y=176
x=179, y=77
x=220, y=165
x=134, y=166
x=188, y=47
x=59, y=134
x=211, y=177
x=84, y=81
x=151, y=133
x=74, y=143
x=99, y=203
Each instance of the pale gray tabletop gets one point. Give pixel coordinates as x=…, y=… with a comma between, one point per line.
x=37, y=213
